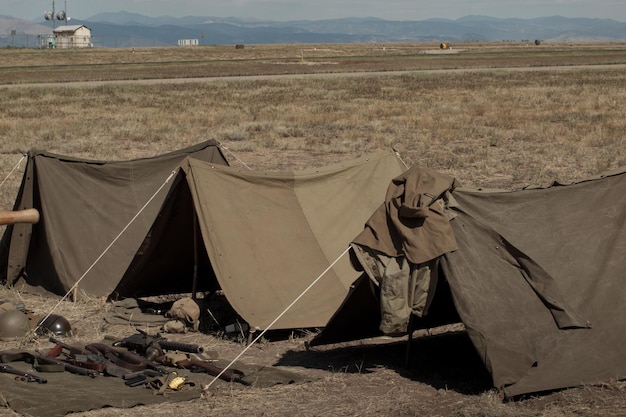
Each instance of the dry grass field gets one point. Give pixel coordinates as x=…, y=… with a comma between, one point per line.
x=492, y=115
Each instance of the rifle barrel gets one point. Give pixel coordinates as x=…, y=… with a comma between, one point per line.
x=181, y=347
x=75, y=350
x=4, y=368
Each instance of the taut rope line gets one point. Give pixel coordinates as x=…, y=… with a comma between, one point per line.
x=277, y=318
x=13, y=170
x=235, y=156
x=108, y=247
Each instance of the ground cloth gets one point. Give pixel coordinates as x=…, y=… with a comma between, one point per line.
x=65, y=393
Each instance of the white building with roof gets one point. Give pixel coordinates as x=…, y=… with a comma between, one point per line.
x=73, y=36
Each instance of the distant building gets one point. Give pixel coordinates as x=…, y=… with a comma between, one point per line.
x=73, y=36
x=187, y=42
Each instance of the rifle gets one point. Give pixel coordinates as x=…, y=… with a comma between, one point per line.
x=153, y=346
x=73, y=367
x=91, y=360
x=205, y=366
x=26, y=376
x=125, y=359
x=185, y=361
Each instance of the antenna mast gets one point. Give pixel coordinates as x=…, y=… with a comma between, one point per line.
x=54, y=16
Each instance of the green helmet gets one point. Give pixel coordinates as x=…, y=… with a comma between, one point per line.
x=13, y=323
x=54, y=324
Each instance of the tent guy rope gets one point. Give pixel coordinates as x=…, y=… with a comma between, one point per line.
x=269, y=326
x=107, y=248
x=235, y=156
x=13, y=170
x=400, y=158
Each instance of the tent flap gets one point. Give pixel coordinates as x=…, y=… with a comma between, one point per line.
x=575, y=233
x=270, y=235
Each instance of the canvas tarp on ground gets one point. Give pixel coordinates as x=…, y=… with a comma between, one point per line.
x=521, y=254
x=84, y=205
x=269, y=235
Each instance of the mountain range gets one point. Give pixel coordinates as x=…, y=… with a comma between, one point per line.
x=131, y=29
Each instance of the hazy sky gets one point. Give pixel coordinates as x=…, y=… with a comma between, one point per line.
x=324, y=9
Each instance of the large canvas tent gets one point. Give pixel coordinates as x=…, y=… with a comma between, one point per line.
x=537, y=279
x=152, y=226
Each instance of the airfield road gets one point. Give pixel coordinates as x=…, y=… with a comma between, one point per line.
x=151, y=81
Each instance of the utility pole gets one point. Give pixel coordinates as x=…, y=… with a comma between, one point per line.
x=63, y=14
x=50, y=16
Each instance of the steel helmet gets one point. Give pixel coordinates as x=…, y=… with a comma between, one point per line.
x=13, y=323
x=54, y=324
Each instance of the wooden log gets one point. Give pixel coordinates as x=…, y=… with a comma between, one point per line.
x=19, y=216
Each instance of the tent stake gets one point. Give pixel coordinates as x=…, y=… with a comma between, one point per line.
x=250, y=337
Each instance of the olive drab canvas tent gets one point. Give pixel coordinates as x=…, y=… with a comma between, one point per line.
x=270, y=235
x=537, y=278
x=84, y=205
x=260, y=237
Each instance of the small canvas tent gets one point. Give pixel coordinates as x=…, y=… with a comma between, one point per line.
x=84, y=205
x=262, y=237
x=537, y=279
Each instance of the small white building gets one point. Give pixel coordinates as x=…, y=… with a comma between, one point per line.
x=187, y=42
x=73, y=36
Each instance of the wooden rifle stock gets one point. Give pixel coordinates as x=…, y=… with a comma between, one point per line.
x=88, y=359
x=20, y=216
x=69, y=367
x=229, y=376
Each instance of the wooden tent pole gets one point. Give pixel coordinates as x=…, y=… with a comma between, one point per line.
x=409, y=342
x=194, y=285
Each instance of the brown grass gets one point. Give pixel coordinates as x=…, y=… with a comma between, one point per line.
x=497, y=129
x=492, y=124
x=44, y=65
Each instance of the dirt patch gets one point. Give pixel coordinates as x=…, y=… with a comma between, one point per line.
x=449, y=51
